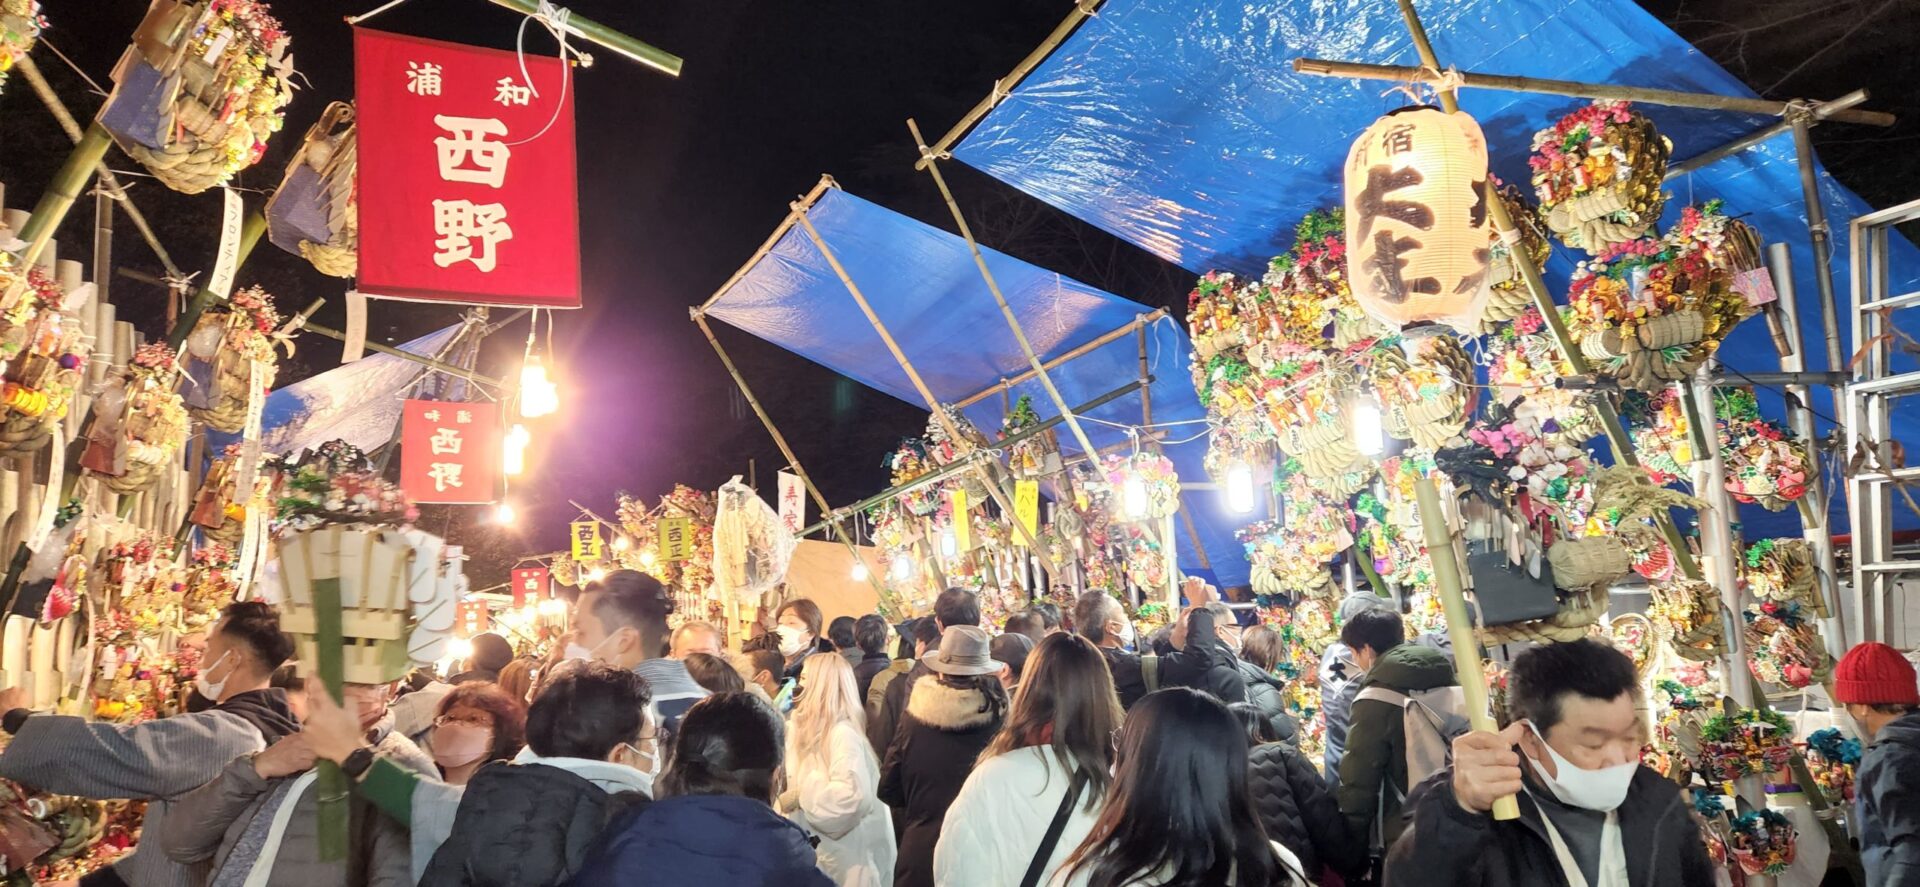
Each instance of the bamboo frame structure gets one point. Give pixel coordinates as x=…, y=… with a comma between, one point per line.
x=1431, y=74
x=1088, y=347
x=62, y=191
x=989, y=477
x=1082, y=10
x=805, y=202
x=930, y=162
x=1820, y=111
x=1556, y=327
x=780, y=440
x=944, y=471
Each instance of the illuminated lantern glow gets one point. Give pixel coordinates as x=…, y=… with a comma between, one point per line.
x=1417, y=225
x=1369, y=432
x=622, y=543
x=1240, y=488
x=949, y=546
x=504, y=515
x=1134, y=495
x=538, y=395
x=513, y=450
x=860, y=571
x=902, y=567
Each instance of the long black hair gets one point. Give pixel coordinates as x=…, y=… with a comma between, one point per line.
x=728, y=744
x=1178, y=811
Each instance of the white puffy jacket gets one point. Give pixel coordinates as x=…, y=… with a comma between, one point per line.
x=997, y=821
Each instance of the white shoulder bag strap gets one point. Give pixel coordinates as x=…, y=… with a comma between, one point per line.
x=263, y=864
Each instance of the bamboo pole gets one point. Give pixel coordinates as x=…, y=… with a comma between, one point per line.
x=1820, y=237
x=945, y=471
x=586, y=29
x=1819, y=531
x=67, y=184
x=1433, y=75
x=250, y=234
x=806, y=202
x=1082, y=10
x=1466, y=647
x=389, y=350
x=110, y=183
x=932, y=166
x=933, y=403
x=780, y=440
x=329, y=642
x=1623, y=452
x=1820, y=111
x=1090, y=346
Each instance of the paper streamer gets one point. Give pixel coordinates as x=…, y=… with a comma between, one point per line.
x=227, y=261
x=50, y=503
x=356, y=340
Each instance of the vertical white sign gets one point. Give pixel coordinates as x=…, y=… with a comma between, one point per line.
x=228, y=259
x=793, y=502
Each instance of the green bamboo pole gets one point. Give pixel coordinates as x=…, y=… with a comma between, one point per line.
x=250, y=235
x=329, y=641
x=1466, y=647
x=67, y=185
x=586, y=29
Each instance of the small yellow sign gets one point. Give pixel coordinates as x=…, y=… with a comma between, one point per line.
x=676, y=539
x=587, y=544
x=1026, y=505
x=962, y=521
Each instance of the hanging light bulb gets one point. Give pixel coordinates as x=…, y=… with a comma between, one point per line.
x=596, y=574
x=647, y=559
x=1240, y=488
x=1134, y=495
x=1369, y=433
x=902, y=567
x=504, y=515
x=949, y=546
x=459, y=649
x=513, y=450
x=538, y=395
x=622, y=543
x=860, y=571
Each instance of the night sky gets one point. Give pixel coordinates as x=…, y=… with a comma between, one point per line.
x=681, y=179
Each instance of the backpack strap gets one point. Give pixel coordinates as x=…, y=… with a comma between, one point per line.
x=1150, y=671
x=1378, y=693
x=1044, y=854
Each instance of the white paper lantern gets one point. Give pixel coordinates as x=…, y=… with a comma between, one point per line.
x=1417, y=226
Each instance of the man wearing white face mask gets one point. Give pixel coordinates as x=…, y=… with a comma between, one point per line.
x=162, y=760
x=1590, y=814
x=622, y=621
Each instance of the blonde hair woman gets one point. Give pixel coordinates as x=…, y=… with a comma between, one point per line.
x=832, y=777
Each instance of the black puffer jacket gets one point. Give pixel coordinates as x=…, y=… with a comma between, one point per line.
x=1297, y=810
x=523, y=825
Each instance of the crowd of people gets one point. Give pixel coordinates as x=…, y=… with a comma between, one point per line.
x=1062, y=750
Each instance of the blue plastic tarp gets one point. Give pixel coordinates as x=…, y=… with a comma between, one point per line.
x=1180, y=126
x=359, y=403
x=924, y=286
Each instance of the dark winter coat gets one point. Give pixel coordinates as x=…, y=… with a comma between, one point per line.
x=1889, y=799
x=1445, y=846
x=1298, y=811
x=884, y=722
x=523, y=825
x=863, y=671
x=1128, y=682
x=1206, y=664
x=702, y=840
x=1376, y=754
x=944, y=731
x=1267, y=692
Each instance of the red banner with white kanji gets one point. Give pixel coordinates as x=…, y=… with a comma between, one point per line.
x=467, y=190
x=529, y=586
x=450, y=452
x=471, y=618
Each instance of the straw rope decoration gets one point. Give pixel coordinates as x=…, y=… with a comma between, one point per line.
x=1597, y=172
x=43, y=354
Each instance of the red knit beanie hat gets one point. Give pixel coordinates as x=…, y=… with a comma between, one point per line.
x=1875, y=674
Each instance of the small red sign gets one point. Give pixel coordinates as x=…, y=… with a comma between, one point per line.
x=471, y=618
x=529, y=586
x=467, y=189
x=450, y=452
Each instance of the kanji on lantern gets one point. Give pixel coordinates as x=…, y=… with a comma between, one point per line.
x=450, y=452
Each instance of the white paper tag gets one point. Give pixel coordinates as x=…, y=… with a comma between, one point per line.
x=50, y=504
x=248, y=468
x=356, y=339
x=227, y=260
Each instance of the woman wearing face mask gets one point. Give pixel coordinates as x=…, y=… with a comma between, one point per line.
x=528, y=822
x=477, y=723
x=797, y=625
x=832, y=777
x=1590, y=814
